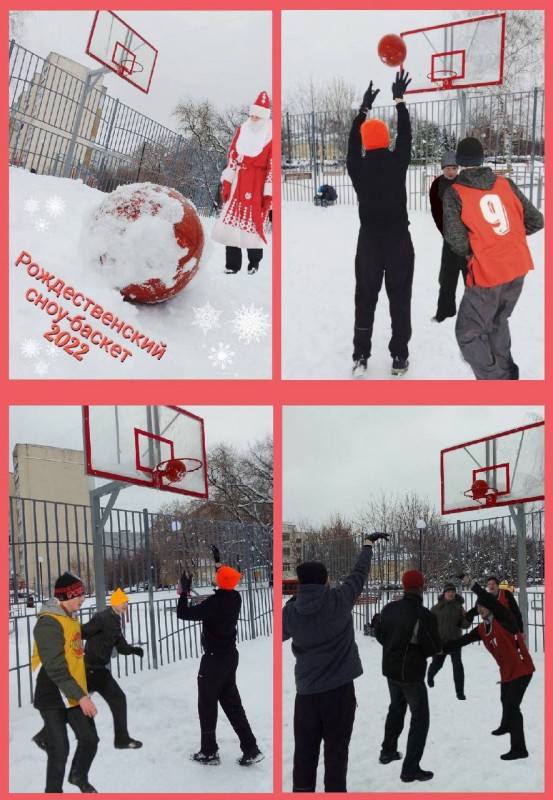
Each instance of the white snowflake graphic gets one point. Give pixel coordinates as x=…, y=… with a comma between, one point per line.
x=221, y=356
x=31, y=205
x=52, y=351
x=30, y=348
x=206, y=317
x=250, y=323
x=41, y=368
x=42, y=225
x=55, y=206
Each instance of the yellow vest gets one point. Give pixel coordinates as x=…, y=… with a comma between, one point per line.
x=74, y=652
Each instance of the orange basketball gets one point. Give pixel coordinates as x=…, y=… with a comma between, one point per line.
x=392, y=50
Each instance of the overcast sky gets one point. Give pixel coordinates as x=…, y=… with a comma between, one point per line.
x=335, y=458
x=61, y=426
x=221, y=56
x=329, y=44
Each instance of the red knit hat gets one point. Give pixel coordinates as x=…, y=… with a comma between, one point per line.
x=375, y=134
x=412, y=579
x=227, y=577
x=261, y=107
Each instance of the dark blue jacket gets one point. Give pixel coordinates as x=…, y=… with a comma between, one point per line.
x=319, y=622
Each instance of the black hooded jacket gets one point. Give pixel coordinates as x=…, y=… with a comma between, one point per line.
x=408, y=633
x=219, y=616
x=379, y=177
x=102, y=633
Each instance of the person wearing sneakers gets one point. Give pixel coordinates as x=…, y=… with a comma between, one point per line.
x=500, y=635
x=217, y=674
x=451, y=264
x=61, y=692
x=452, y=619
x=384, y=247
x=102, y=634
x=408, y=633
x=318, y=621
x=486, y=220
x=247, y=189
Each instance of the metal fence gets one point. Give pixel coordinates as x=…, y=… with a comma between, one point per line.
x=58, y=127
x=145, y=555
x=510, y=127
x=478, y=546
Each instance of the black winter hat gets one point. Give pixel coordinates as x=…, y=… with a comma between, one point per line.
x=470, y=152
x=448, y=586
x=68, y=586
x=312, y=572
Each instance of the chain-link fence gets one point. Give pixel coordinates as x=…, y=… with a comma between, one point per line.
x=510, y=127
x=61, y=124
x=145, y=554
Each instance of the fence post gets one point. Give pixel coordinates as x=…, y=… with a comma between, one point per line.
x=153, y=643
x=248, y=571
x=519, y=516
x=313, y=150
x=533, y=146
x=462, y=101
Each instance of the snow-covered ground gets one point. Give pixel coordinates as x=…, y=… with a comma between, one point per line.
x=219, y=326
x=459, y=750
x=318, y=286
x=163, y=714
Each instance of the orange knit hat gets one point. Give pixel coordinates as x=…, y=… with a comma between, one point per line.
x=227, y=577
x=374, y=134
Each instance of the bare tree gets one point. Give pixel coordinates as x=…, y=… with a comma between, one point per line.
x=17, y=26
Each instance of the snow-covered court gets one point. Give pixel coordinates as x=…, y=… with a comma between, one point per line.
x=217, y=327
x=318, y=286
x=459, y=750
x=162, y=710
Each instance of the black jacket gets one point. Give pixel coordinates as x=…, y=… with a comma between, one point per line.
x=436, y=195
x=319, y=622
x=379, y=177
x=102, y=633
x=408, y=633
x=219, y=614
x=501, y=614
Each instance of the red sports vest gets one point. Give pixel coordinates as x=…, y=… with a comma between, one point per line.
x=495, y=222
x=509, y=651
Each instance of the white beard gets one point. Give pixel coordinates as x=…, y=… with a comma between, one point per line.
x=253, y=137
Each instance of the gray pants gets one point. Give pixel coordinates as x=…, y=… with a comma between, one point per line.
x=482, y=330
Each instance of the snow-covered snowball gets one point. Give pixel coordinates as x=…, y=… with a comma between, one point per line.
x=146, y=240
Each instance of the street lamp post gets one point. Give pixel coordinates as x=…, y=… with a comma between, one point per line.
x=421, y=525
x=40, y=560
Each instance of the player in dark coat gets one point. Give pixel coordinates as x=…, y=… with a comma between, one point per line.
x=408, y=633
x=452, y=619
x=217, y=674
x=103, y=634
x=507, y=599
x=318, y=621
x=451, y=263
x=499, y=633
x=384, y=247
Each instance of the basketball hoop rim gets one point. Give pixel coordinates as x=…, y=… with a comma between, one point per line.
x=123, y=70
x=446, y=81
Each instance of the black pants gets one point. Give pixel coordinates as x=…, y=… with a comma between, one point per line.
x=234, y=257
x=102, y=681
x=217, y=684
x=393, y=261
x=451, y=267
x=56, y=721
x=458, y=671
x=324, y=717
x=415, y=696
x=512, y=693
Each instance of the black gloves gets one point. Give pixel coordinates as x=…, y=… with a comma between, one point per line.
x=399, y=86
x=374, y=537
x=185, y=581
x=138, y=651
x=216, y=554
x=369, y=97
